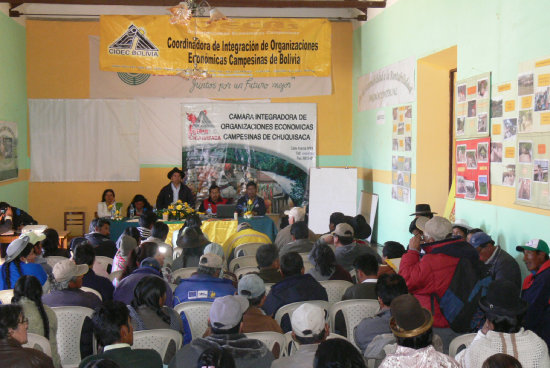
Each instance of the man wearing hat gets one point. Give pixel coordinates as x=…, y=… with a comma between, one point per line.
x=295, y=214
x=175, y=190
x=346, y=249
x=20, y=261
x=501, y=264
x=245, y=234
x=226, y=315
x=423, y=209
x=502, y=332
x=412, y=327
x=536, y=287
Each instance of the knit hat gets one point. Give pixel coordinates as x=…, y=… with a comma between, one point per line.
x=534, y=244
x=227, y=311
x=438, y=227
x=308, y=320
x=67, y=269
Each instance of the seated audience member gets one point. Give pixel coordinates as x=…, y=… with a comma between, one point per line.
x=102, y=363
x=42, y=319
x=337, y=353
x=502, y=333
x=361, y=228
x=300, y=242
x=536, y=287
x=412, y=326
x=99, y=238
x=19, y=261
x=175, y=191
x=146, y=222
x=50, y=245
x=366, y=270
x=226, y=316
x=388, y=287
x=216, y=358
x=213, y=200
x=391, y=250
x=217, y=249
x=13, y=334
x=39, y=257
x=125, y=244
x=267, y=257
x=461, y=228
x=107, y=203
x=335, y=219
x=424, y=210
x=141, y=205
x=325, y=267
x=309, y=329
x=295, y=214
x=159, y=232
x=501, y=264
x=84, y=254
x=192, y=242
x=295, y=287
x=124, y=291
x=413, y=229
x=251, y=202
x=66, y=292
x=113, y=328
x=501, y=361
x=472, y=232
x=137, y=255
x=347, y=250
x=245, y=234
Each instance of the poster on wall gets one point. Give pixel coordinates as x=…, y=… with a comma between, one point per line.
x=534, y=96
x=473, y=169
x=402, y=128
x=401, y=178
x=473, y=100
x=533, y=155
x=232, y=144
x=504, y=129
x=402, y=143
x=8, y=150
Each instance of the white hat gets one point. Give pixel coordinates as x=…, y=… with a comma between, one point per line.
x=211, y=260
x=462, y=223
x=227, y=311
x=67, y=269
x=308, y=320
x=297, y=213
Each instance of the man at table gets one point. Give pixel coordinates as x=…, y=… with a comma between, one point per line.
x=251, y=201
x=214, y=198
x=175, y=190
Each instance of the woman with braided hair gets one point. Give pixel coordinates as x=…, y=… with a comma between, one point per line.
x=19, y=261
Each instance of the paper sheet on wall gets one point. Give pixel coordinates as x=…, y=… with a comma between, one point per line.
x=402, y=143
x=473, y=169
x=472, y=106
x=534, y=96
x=533, y=154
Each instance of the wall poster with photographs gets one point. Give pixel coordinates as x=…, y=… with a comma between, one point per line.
x=401, y=143
x=534, y=96
x=8, y=150
x=533, y=154
x=473, y=103
x=401, y=178
x=473, y=169
x=402, y=128
x=504, y=128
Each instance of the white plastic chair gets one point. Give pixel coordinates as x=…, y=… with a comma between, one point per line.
x=354, y=311
x=246, y=249
x=268, y=287
x=158, y=340
x=335, y=289
x=307, y=264
x=38, y=342
x=197, y=314
x=93, y=291
x=69, y=328
x=104, y=261
x=177, y=252
x=244, y=270
x=292, y=345
x=52, y=260
x=184, y=273
x=6, y=295
x=244, y=261
x=115, y=275
x=270, y=339
x=290, y=308
x=173, y=287
x=459, y=341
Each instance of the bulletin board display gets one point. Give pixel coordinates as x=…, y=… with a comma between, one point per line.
x=473, y=100
x=533, y=155
x=473, y=169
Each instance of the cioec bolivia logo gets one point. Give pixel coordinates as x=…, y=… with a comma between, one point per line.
x=134, y=43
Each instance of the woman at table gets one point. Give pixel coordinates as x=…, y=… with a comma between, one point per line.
x=141, y=205
x=107, y=202
x=214, y=198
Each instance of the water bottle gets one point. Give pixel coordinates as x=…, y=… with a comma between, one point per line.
x=132, y=211
x=113, y=212
x=209, y=210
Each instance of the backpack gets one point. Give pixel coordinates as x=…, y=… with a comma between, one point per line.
x=460, y=302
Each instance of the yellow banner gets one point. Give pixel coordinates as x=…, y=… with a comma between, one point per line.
x=229, y=48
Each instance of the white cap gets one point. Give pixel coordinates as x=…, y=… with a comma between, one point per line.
x=308, y=320
x=297, y=213
x=67, y=269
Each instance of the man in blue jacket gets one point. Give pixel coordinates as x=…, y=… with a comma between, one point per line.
x=250, y=201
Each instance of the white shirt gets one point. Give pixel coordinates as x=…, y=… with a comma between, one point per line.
x=116, y=346
x=175, y=192
x=372, y=281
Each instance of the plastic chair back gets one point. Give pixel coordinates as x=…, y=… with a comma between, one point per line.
x=104, y=262
x=462, y=340
x=271, y=339
x=335, y=289
x=240, y=262
x=38, y=342
x=247, y=249
x=290, y=308
x=69, y=328
x=93, y=291
x=183, y=273
x=53, y=260
x=158, y=340
x=353, y=310
x=197, y=314
x=6, y=295
x=244, y=270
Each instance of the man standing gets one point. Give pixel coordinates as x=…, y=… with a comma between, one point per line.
x=251, y=202
x=295, y=214
x=347, y=250
x=175, y=191
x=536, y=287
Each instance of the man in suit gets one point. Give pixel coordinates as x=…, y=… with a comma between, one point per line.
x=366, y=270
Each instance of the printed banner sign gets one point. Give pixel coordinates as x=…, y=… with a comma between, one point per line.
x=231, y=144
x=473, y=169
x=391, y=85
x=230, y=48
x=8, y=150
x=533, y=154
x=473, y=99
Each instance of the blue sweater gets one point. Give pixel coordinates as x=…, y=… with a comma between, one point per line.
x=31, y=269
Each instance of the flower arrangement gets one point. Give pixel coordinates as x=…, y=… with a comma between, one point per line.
x=177, y=211
x=117, y=213
x=249, y=207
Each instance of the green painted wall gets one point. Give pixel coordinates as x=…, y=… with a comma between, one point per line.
x=491, y=35
x=13, y=102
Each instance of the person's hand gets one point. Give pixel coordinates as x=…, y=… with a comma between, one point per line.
x=414, y=243
x=329, y=239
x=487, y=326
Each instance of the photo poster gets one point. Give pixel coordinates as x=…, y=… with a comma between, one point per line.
x=401, y=152
x=473, y=169
x=8, y=150
x=504, y=129
x=272, y=144
x=534, y=95
x=473, y=103
x=533, y=155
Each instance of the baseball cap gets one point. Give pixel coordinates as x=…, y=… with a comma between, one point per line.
x=343, y=229
x=150, y=262
x=298, y=213
x=478, y=239
x=308, y=320
x=251, y=286
x=211, y=260
x=534, y=244
x=226, y=312
x=438, y=227
x=67, y=269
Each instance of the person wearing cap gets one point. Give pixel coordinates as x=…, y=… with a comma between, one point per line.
x=502, y=333
x=412, y=327
x=300, y=242
x=84, y=254
x=251, y=200
x=536, y=287
x=295, y=214
x=226, y=316
x=213, y=200
x=175, y=191
x=267, y=257
x=99, y=238
x=295, y=287
x=346, y=249
x=245, y=234
x=461, y=228
x=501, y=264
x=309, y=329
x=423, y=209
x=20, y=261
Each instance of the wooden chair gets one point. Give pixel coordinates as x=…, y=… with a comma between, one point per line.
x=75, y=219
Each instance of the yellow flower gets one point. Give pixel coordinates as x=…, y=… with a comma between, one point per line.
x=248, y=213
x=173, y=213
x=179, y=207
x=179, y=201
x=171, y=207
x=110, y=207
x=249, y=202
x=117, y=212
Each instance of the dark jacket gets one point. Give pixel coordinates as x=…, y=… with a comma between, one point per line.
x=270, y=275
x=346, y=254
x=166, y=196
x=536, y=292
x=361, y=291
x=504, y=267
x=128, y=358
x=21, y=218
x=258, y=205
x=299, y=246
x=103, y=245
x=99, y=283
x=13, y=355
x=124, y=292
